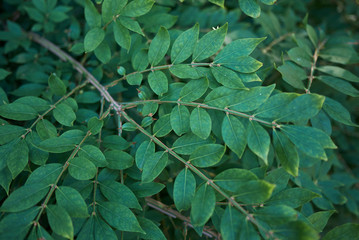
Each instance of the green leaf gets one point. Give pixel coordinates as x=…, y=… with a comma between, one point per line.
x=103, y=52
x=188, y=143
x=45, y=175
x=110, y=8
x=4, y=73
x=249, y=100
x=231, y=179
x=60, y=221
x=64, y=114
x=38, y=104
x=234, y=134
x=115, y=142
x=293, y=197
x=93, y=39
x=221, y=97
x=145, y=149
x=158, y=82
x=348, y=231
x=134, y=79
x=200, y=123
x=341, y=54
x=151, y=229
x=339, y=72
x=56, y=85
x=218, y=2
x=207, y=155
x=46, y=129
x=277, y=214
x=162, y=126
x=286, y=153
x=24, y=198
x=183, y=46
x=17, y=111
x=209, y=43
x=312, y=35
x=131, y=24
x=118, y=160
x=203, y=205
x=302, y=108
x=180, y=119
x=95, y=125
x=153, y=166
x=18, y=157
x=184, y=189
x=193, y=90
x=297, y=230
x=231, y=223
x=119, y=217
x=72, y=201
x=120, y=193
x=238, y=48
x=92, y=16
x=254, y=191
x=159, y=46
x=258, y=140
x=320, y=219
x=137, y=8
x=56, y=145
x=140, y=60
x=102, y=230
x=250, y=8
x=122, y=35
x=269, y=2
x=337, y=111
x=146, y=189
x=93, y=154
x=300, y=57
x=82, y=169
x=185, y=71
x=227, y=78
x=10, y=132
x=293, y=74
x=339, y=85
x=243, y=64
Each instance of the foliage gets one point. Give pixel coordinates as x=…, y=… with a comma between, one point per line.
x=170, y=119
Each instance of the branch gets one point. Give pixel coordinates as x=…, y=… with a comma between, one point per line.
x=312, y=69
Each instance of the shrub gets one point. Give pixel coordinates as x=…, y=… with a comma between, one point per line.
x=173, y=119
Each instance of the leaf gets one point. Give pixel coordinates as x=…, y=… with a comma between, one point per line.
x=64, y=114
x=230, y=223
x=60, y=221
x=300, y=57
x=346, y=231
x=238, y=48
x=122, y=35
x=162, y=126
x=258, y=140
x=320, y=219
x=234, y=134
x=193, y=90
x=227, y=78
x=312, y=35
x=254, y=191
x=118, y=160
x=250, y=8
x=4, y=73
x=24, y=197
x=337, y=111
x=339, y=85
x=286, y=153
x=103, y=52
x=137, y=8
x=188, y=143
x=159, y=46
x=218, y=2
x=209, y=43
x=18, y=157
x=110, y=8
x=39, y=104
x=184, y=189
x=339, y=72
x=151, y=229
x=17, y=111
x=82, y=169
x=180, y=119
x=134, y=79
x=102, y=230
x=203, y=205
x=10, y=132
x=72, y=201
x=146, y=189
x=140, y=60
x=243, y=64
x=56, y=145
x=145, y=149
x=297, y=230
x=93, y=154
x=94, y=125
x=92, y=16
x=120, y=193
x=56, y=85
x=231, y=179
x=131, y=24
x=115, y=142
x=119, y=217
x=183, y=46
x=153, y=166
x=46, y=129
x=276, y=214
x=200, y=123
x=207, y=155
x=221, y=97
x=158, y=82
x=293, y=74
x=185, y=71
x=302, y=108
x=269, y=2
x=293, y=197
x=93, y=38
x=45, y=175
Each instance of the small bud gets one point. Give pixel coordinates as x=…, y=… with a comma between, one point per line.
x=121, y=70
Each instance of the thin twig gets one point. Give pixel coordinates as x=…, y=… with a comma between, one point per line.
x=275, y=42
x=314, y=64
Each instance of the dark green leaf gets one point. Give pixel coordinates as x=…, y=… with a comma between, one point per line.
x=184, y=189
x=180, y=119
x=293, y=74
x=340, y=85
x=94, y=125
x=159, y=46
x=10, y=132
x=131, y=24
x=93, y=38
x=17, y=111
x=93, y=154
x=203, y=205
x=207, y=155
x=162, y=126
x=254, y=191
x=183, y=46
x=234, y=134
x=337, y=111
x=231, y=179
x=193, y=90
x=339, y=72
x=312, y=34
x=297, y=230
x=230, y=223
x=158, y=82
x=151, y=229
x=277, y=214
x=72, y=201
x=146, y=189
x=250, y=7
x=115, y=142
x=18, y=157
x=60, y=221
x=64, y=114
x=188, y=143
x=82, y=169
x=258, y=140
x=56, y=85
x=200, y=123
x=243, y=64
x=227, y=77
x=138, y=8
x=293, y=197
x=300, y=57
x=134, y=79
x=46, y=129
x=45, y=175
x=103, y=52
x=320, y=219
x=145, y=149
x=92, y=16
x=347, y=231
x=110, y=8
x=118, y=160
x=153, y=166
x=3, y=73
x=122, y=35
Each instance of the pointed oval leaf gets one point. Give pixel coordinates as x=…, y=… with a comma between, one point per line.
x=18, y=157
x=231, y=178
x=64, y=114
x=56, y=85
x=227, y=77
x=293, y=197
x=276, y=214
x=82, y=169
x=230, y=223
x=72, y=201
x=234, y=134
x=180, y=119
x=145, y=149
x=162, y=126
x=183, y=46
x=154, y=165
x=93, y=38
x=337, y=111
x=258, y=140
x=158, y=82
x=92, y=16
x=207, y=155
x=159, y=46
x=118, y=160
x=45, y=175
x=151, y=229
x=194, y=89
x=250, y=7
x=254, y=191
x=122, y=35
x=203, y=205
x=188, y=143
x=17, y=111
x=60, y=221
x=184, y=189
x=93, y=154
x=138, y=8
x=242, y=64
x=110, y=8
x=200, y=123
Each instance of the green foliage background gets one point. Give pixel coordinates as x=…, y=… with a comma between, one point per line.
x=175, y=119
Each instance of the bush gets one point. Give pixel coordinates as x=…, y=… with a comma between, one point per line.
x=173, y=119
